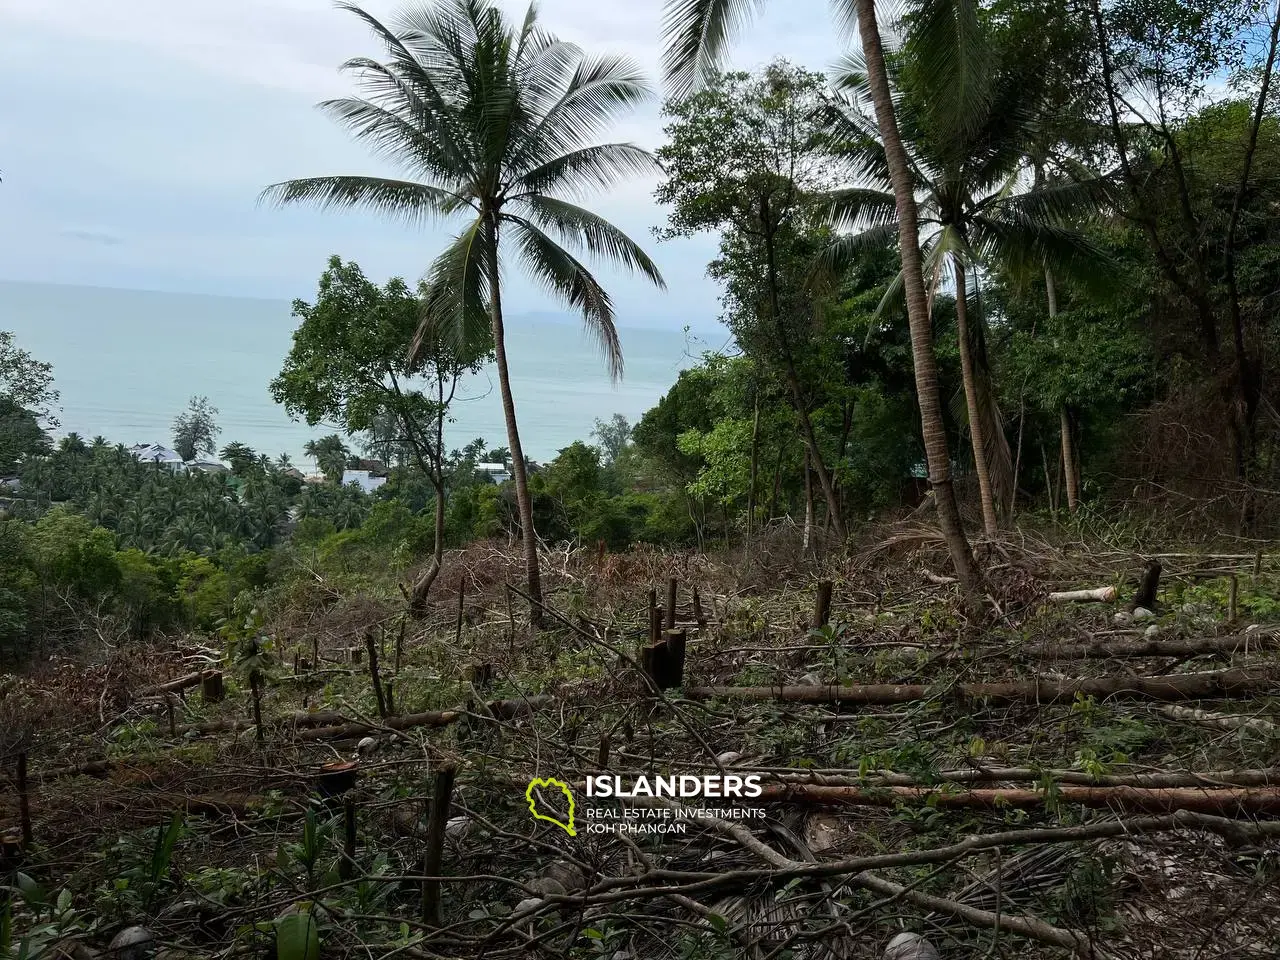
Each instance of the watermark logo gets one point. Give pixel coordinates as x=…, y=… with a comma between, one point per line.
x=637, y=805
x=550, y=783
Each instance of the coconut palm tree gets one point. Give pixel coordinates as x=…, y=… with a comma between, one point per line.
x=696, y=33
x=967, y=182
x=330, y=455
x=496, y=122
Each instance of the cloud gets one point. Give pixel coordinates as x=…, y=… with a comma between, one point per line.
x=165, y=120
x=91, y=235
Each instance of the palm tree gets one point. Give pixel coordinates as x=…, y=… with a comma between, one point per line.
x=695, y=34
x=966, y=180
x=330, y=455
x=496, y=121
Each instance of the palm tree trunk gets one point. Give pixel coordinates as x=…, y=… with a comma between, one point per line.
x=528, y=535
x=755, y=470
x=923, y=360
x=808, y=502
x=1070, y=476
x=977, y=433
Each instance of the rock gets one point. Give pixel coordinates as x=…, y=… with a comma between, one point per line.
x=1142, y=613
x=1151, y=631
x=528, y=903
x=568, y=875
x=132, y=943
x=910, y=946
x=366, y=746
x=1124, y=616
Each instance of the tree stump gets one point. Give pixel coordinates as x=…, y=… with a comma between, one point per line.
x=822, y=605
x=212, y=688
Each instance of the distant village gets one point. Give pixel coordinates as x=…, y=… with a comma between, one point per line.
x=368, y=474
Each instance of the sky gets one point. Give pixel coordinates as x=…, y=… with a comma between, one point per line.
x=135, y=136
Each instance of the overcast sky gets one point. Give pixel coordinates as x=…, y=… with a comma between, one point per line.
x=135, y=136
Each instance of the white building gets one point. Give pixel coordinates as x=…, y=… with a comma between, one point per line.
x=158, y=453
x=497, y=472
x=362, y=479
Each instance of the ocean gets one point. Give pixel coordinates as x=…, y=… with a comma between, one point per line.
x=127, y=361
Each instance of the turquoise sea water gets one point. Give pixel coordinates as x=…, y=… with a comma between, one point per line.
x=126, y=362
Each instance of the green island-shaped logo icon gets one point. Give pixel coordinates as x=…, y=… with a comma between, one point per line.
x=547, y=784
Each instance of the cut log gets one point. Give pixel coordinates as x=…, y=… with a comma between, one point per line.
x=1231, y=801
x=1097, y=594
x=1154, y=647
x=173, y=686
x=1183, y=686
x=1210, y=779
x=501, y=709
x=1223, y=721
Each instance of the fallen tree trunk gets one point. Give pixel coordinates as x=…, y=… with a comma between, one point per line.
x=299, y=719
x=1154, y=647
x=1185, y=686
x=1236, y=801
x=1163, y=778
x=500, y=709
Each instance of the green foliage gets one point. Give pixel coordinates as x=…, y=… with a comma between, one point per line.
x=195, y=430
x=68, y=550
x=297, y=936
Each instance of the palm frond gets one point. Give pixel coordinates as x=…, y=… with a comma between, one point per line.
x=1025, y=245
x=416, y=142
x=1067, y=202
x=597, y=167
x=592, y=233
x=858, y=208
x=694, y=35
x=401, y=200
x=578, y=108
x=837, y=257
x=949, y=48
x=455, y=308
x=564, y=276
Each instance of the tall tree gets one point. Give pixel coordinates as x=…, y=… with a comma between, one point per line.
x=195, y=430
x=696, y=32
x=966, y=178
x=747, y=157
x=497, y=122
x=330, y=455
x=351, y=365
